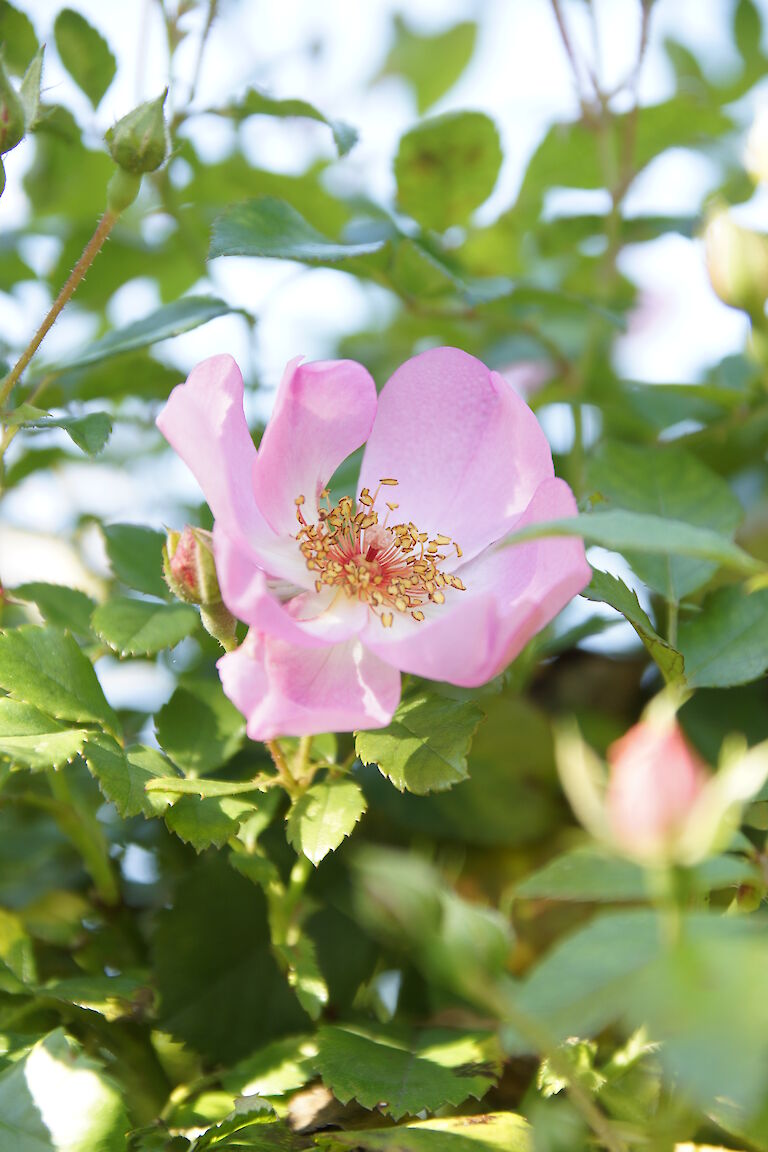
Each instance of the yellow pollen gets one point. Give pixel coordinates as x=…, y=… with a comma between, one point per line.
x=390, y=568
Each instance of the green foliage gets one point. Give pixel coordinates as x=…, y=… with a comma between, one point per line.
x=676, y=486
x=90, y=433
x=57, y=1099
x=381, y=1069
x=639, y=532
x=143, y=627
x=182, y=316
x=431, y=64
x=258, y=103
x=425, y=747
x=489, y=1132
x=85, y=54
x=727, y=642
x=272, y=228
x=33, y=740
x=198, y=727
x=136, y=556
x=17, y=35
x=220, y=988
x=122, y=776
x=447, y=167
x=203, y=943
x=61, y=606
x=590, y=875
x=608, y=589
x=324, y=816
x=44, y=667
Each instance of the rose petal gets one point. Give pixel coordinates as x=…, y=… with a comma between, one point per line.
x=511, y=593
x=305, y=618
x=288, y=691
x=467, y=451
x=204, y=422
x=323, y=412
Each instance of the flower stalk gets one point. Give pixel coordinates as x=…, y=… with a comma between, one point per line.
x=90, y=252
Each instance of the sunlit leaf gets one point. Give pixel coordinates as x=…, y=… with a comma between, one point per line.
x=143, y=627
x=425, y=747
x=447, y=167
x=30, y=739
x=58, y=1099
x=323, y=816
x=385, y=1070
x=46, y=668
x=84, y=53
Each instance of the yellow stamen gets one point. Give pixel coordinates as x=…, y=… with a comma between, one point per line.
x=393, y=568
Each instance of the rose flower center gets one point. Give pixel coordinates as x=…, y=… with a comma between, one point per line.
x=390, y=568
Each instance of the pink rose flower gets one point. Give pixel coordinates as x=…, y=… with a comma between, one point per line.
x=340, y=600
x=655, y=780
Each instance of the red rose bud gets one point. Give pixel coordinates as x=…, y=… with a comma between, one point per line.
x=139, y=142
x=12, y=119
x=655, y=780
x=189, y=569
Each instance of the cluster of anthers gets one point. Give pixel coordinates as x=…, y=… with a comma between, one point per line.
x=391, y=569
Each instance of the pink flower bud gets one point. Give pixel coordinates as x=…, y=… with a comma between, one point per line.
x=189, y=567
x=655, y=779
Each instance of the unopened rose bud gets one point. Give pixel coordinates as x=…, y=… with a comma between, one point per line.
x=189, y=566
x=189, y=569
x=756, y=158
x=12, y=119
x=655, y=780
x=139, y=142
x=737, y=263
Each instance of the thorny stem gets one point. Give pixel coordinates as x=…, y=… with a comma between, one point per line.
x=281, y=764
x=90, y=252
x=305, y=746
